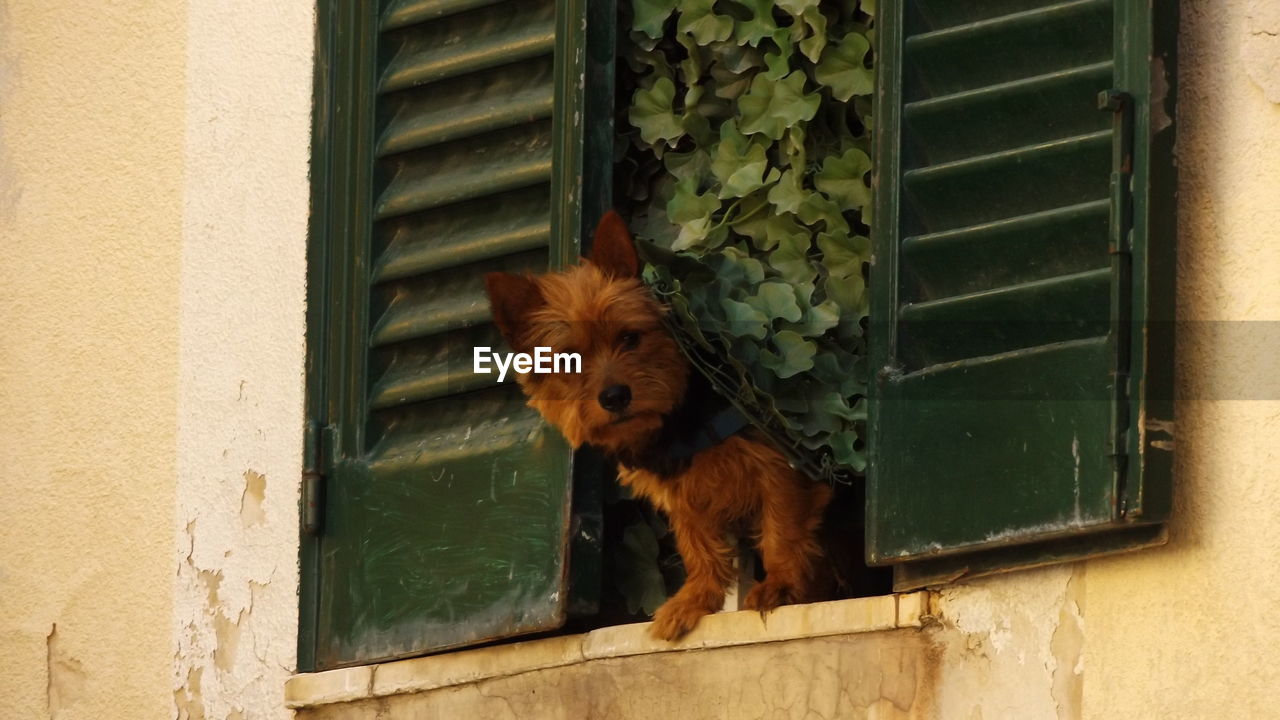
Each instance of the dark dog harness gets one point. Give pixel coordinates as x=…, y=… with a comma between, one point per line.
x=702, y=420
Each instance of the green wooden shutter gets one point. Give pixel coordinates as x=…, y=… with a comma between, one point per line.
x=448, y=143
x=1022, y=283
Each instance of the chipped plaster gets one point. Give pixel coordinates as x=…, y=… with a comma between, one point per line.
x=114, y=368
x=1011, y=646
x=1260, y=53
x=240, y=388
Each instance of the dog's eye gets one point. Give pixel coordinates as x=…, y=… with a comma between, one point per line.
x=629, y=340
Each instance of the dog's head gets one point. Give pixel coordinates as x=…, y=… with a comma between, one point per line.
x=632, y=370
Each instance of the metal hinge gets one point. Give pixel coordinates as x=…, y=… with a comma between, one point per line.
x=1121, y=105
x=314, y=456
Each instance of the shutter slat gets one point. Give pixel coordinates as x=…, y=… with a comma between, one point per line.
x=440, y=371
x=1055, y=242
x=1041, y=312
x=422, y=306
x=1006, y=48
x=937, y=14
x=438, y=119
x=416, y=318
x=409, y=12
x=464, y=234
x=1010, y=183
x=446, y=431
x=1014, y=114
x=467, y=43
x=487, y=165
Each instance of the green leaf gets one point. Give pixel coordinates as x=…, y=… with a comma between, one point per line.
x=787, y=196
x=835, y=368
x=743, y=319
x=729, y=85
x=776, y=300
x=843, y=255
x=695, y=164
x=791, y=259
x=641, y=60
x=652, y=113
x=754, y=174
x=698, y=19
x=692, y=211
x=793, y=146
x=795, y=354
x=849, y=293
x=842, y=69
x=760, y=26
x=813, y=45
x=735, y=58
x=730, y=153
x=776, y=228
x=695, y=62
x=778, y=62
x=817, y=208
x=842, y=179
x=845, y=452
x=736, y=268
x=770, y=108
x=818, y=319
x=648, y=16
x=833, y=403
x=796, y=7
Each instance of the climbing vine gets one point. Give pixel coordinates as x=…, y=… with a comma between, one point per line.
x=743, y=158
x=747, y=157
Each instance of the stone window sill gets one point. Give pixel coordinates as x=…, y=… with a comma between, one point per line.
x=728, y=629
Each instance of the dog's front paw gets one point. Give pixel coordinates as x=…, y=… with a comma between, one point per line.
x=677, y=617
x=768, y=595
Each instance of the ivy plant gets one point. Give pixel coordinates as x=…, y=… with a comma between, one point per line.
x=745, y=156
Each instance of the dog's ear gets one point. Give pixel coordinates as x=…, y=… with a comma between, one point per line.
x=511, y=298
x=612, y=250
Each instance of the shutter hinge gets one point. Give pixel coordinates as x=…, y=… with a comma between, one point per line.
x=317, y=446
x=1120, y=244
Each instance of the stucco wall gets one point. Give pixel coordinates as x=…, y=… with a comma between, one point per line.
x=153, y=203
x=240, y=386
x=1192, y=630
x=153, y=208
x=1189, y=630
x=91, y=175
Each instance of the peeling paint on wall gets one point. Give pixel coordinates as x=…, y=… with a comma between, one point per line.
x=1011, y=646
x=188, y=698
x=241, y=346
x=1261, y=51
x=255, y=489
x=66, y=676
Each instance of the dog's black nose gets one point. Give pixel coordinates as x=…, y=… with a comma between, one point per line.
x=615, y=398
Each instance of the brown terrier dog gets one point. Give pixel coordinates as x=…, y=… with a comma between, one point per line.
x=636, y=399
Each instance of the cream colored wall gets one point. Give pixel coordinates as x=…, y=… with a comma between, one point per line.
x=1189, y=630
x=153, y=210
x=240, y=385
x=153, y=204
x=91, y=180
x=1192, y=630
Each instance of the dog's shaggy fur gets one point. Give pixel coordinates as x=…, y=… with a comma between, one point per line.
x=600, y=310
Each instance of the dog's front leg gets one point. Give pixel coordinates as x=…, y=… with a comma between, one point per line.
x=789, y=520
x=708, y=562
